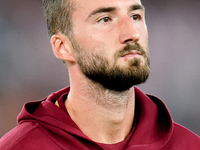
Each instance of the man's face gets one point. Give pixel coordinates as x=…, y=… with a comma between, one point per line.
x=110, y=40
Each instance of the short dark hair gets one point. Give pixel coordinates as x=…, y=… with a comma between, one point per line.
x=58, y=16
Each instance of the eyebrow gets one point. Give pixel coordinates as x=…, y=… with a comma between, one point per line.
x=111, y=9
x=136, y=7
x=102, y=10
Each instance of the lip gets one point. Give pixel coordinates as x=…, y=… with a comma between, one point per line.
x=132, y=53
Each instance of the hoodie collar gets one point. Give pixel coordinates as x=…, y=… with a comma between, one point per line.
x=154, y=124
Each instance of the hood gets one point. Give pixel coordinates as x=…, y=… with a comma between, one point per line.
x=154, y=124
x=46, y=113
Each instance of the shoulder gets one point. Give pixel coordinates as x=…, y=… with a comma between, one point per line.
x=184, y=133
x=184, y=139
x=28, y=135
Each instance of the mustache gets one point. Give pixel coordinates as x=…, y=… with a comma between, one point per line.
x=129, y=48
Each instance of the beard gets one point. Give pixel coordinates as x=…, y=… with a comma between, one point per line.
x=97, y=68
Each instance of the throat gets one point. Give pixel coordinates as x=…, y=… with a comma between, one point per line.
x=105, y=117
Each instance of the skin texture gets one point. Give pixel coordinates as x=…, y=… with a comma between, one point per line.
x=102, y=28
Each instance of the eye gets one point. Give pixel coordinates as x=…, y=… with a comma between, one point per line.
x=104, y=19
x=136, y=17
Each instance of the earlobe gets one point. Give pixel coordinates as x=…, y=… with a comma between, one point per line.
x=62, y=47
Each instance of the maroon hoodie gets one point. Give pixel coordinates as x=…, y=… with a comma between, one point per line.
x=43, y=125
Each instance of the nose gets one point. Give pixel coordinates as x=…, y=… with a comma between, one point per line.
x=128, y=31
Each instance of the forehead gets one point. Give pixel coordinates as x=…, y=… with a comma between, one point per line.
x=86, y=6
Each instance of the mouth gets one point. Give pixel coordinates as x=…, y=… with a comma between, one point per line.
x=131, y=54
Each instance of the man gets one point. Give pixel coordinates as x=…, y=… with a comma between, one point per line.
x=104, y=45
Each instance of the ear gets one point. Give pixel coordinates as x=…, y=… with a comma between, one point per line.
x=62, y=47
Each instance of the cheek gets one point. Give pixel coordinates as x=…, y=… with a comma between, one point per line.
x=91, y=43
x=144, y=39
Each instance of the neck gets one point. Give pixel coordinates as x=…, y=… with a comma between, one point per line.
x=104, y=116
